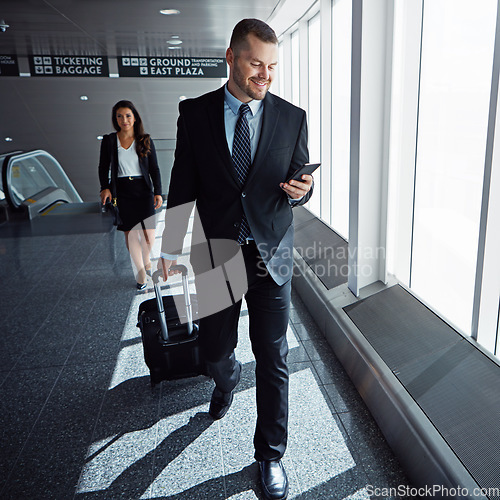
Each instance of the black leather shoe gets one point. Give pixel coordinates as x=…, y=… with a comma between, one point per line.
x=273, y=479
x=220, y=403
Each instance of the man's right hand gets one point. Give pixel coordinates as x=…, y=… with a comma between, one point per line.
x=164, y=266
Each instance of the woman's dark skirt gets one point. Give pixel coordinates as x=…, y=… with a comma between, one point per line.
x=135, y=202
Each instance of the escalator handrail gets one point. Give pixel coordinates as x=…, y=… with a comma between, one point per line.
x=5, y=184
x=19, y=155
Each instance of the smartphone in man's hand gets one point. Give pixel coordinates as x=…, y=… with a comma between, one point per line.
x=308, y=168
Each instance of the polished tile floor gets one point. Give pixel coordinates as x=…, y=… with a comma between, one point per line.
x=79, y=420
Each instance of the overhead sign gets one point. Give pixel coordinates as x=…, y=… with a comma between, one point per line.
x=9, y=66
x=69, y=65
x=173, y=67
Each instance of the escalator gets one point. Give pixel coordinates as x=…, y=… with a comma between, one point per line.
x=34, y=188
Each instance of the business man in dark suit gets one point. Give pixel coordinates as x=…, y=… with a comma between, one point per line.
x=236, y=148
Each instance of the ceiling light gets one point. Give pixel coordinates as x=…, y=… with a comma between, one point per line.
x=99, y=137
x=174, y=42
x=84, y=98
x=170, y=12
x=175, y=48
x=9, y=139
x=182, y=97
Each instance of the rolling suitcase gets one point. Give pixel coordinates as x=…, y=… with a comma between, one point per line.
x=170, y=342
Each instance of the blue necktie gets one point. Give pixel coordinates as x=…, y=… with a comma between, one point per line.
x=242, y=158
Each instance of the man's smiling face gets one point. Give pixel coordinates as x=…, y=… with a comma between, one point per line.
x=252, y=69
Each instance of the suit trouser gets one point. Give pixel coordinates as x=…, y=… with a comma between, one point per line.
x=268, y=310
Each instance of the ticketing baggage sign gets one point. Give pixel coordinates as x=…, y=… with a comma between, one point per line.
x=76, y=66
x=172, y=67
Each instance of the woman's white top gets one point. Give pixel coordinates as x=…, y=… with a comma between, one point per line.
x=128, y=161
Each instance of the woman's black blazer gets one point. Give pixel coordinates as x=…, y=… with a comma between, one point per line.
x=108, y=158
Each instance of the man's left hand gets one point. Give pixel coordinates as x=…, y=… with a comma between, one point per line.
x=297, y=189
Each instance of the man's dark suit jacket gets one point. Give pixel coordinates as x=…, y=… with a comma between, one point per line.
x=109, y=157
x=203, y=171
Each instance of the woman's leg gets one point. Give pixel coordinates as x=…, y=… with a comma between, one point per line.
x=133, y=242
x=147, y=242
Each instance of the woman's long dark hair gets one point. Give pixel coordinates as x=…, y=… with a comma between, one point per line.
x=142, y=140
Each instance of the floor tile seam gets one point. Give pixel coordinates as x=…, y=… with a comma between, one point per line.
x=83, y=364
x=63, y=364
x=156, y=441
x=35, y=368
x=335, y=412
x=35, y=285
x=343, y=412
x=311, y=363
x=321, y=382
x=46, y=321
x=352, y=446
x=290, y=460
x=86, y=321
x=322, y=386
x=309, y=357
x=294, y=325
x=303, y=311
x=300, y=321
x=62, y=367
x=21, y=355
x=223, y=466
x=94, y=431
x=96, y=247
x=30, y=433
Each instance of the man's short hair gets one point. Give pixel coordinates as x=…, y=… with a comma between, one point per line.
x=257, y=28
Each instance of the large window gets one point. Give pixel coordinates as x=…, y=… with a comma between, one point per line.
x=295, y=68
x=314, y=118
x=456, y=70
x=281, y=70
x=438, y=81
x=341, y=114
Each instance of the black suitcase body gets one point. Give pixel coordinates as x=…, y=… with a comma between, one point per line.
x=171, y=347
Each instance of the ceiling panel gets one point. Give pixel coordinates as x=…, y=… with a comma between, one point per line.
x=47, y=113
x=123, y=27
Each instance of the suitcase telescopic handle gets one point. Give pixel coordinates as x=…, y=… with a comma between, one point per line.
x=156, y=276
x=161, y=308
x=179, y=267
x=187, y=296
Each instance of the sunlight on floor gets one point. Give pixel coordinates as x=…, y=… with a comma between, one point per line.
x=187, y=450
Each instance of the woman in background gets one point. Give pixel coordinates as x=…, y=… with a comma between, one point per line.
x=135, y=180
